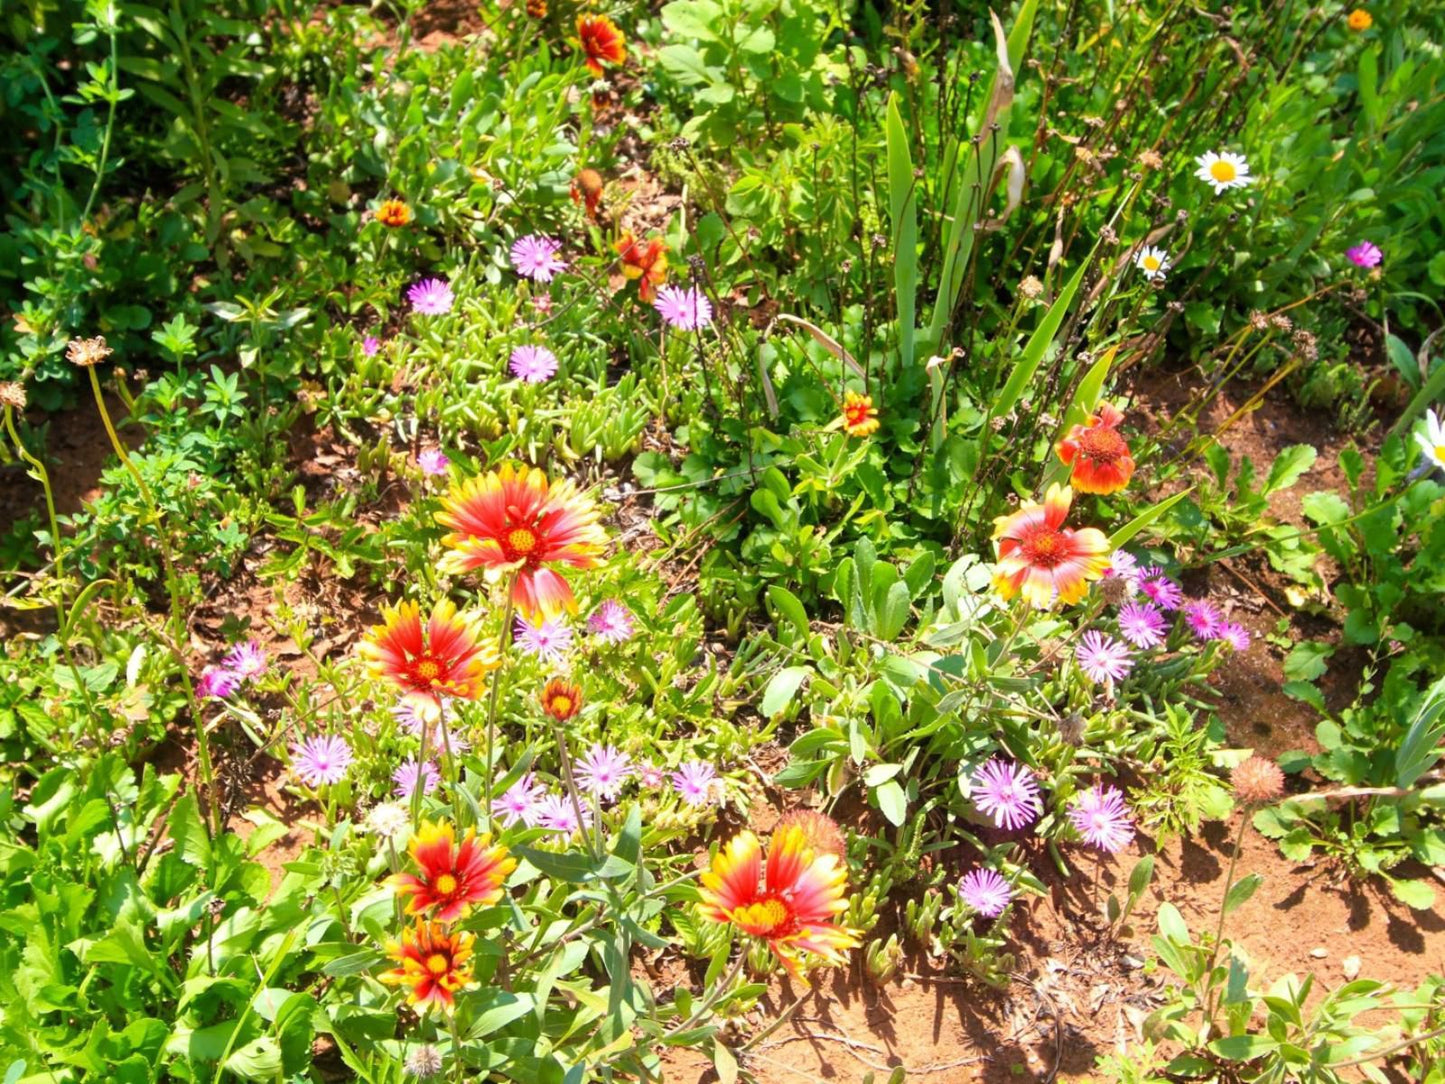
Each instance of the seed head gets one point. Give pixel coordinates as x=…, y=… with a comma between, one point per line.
x=1257, y=781
x=424, y=1061
x=1114, y=590
x=12, y=394
x=1031, y=287
x=87, y=352
x=822, y=831
x=1149, y=159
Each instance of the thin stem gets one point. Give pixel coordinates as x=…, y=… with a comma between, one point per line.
x=714, y=995
x=112, y=93
x=1223, y=911
x=506, y=649
x=419, y=787
x=570, y=785
x=783, y=1017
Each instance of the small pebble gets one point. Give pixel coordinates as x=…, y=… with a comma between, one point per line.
x=1350, y=965
x=1319, y=953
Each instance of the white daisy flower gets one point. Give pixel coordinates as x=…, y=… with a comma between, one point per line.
x=1223, y=170
x=1153, y=262
x=1432, y=441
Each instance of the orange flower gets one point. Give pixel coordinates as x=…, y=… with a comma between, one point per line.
x=560, y=700
x=601, y=42
x=453, y=877
x=587, y=190
x=515, y=521
x=433, y=962
x=446, y=657
x=791, y=904
x=1098, y=454
x=860, y=417
x=537, y=9
x=1360, y=19
x=647, y=263
x=1039, y=557
x=393, y=212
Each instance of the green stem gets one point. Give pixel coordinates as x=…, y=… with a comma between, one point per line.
x=1223, y=905
x=112, y=93
x=505, y=641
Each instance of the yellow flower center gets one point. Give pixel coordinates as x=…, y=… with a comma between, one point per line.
x=1223, y=171
x=428, y=670
x=521, y=540
x=561, y=705
x=438, y=964
x=446, y=884
x=765, y=917
x=1151, y=263
x=1440, y=452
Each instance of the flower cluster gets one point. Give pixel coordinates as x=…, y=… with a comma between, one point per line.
x=244, y=662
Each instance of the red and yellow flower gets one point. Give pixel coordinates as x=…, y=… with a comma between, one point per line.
x=560, y=700
x=860, y=417
x=1097, y=453
x=1039, y=557
x=792, y=903
x=434, y=962
x=601, y=42
x=587, y=190
x=394, y=213
x=454, y=876
x=446, y=656
x=645, y=262
x=516, y=521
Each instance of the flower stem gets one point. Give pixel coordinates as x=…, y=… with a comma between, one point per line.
x=506, y=650
x=783, y=1017
x=1223, y=905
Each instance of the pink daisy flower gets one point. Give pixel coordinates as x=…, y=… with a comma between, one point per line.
x=986, y=892
x=217, y=682
x=1142, y=624
x=693, y=780
x=547, y=640
x=649, y=776
x=603, y=771
x=518, y=804
x=431, y=297
x=533, y=364
x=246, y=660
x=1006, y=792
x=370, y=345
x=535, y=257
x=556, y=813
x=433, y=461
x=1102, y=657
x=683, y=307
x=1162, y=591
x=1203, y=619
x=1365, y=254
x=1233, y=634
x=1102, y=818
x=321, y=760
x=409, y=773
x=611, y=622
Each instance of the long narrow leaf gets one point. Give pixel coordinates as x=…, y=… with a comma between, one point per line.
x=1144, y=518
x=1038, y=345
x=903, y=212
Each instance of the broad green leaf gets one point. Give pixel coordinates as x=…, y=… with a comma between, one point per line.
x=781, y=689
x=893, y=802
x=1240, y=892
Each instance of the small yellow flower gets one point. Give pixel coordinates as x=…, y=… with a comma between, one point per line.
x=1360, y=19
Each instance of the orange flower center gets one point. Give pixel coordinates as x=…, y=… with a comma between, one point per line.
x=561, y=705
x=445, y=885
x=521, y=542
x=767, y=918
x=428, y=669
x=1103, y=445
x=438, y=964
x=1045, y=549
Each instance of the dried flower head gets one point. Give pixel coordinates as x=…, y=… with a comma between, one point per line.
x=425, y=1060
x=1257, y=781
x=1031, y=287
x=12, y=394
x=87, y=352
x=820, y=830
x=1150, y=159
x=1304, y=342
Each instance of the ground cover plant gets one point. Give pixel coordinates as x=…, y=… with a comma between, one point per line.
x=722, y=540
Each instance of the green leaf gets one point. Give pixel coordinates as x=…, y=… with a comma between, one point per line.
x=1038, y=345
x=1243, y=1047
x=259, y=1059
x=1240, y=892
x=1306, y=660
x=1144, y=518
x=903, y=213
x=1172, y=925
x=189, y=833
x=893, y=802
x=1287, y=467
x=787, y=605
x=781, y=689
x=1420, y=747
x=1416, y=895
x=725, y=1064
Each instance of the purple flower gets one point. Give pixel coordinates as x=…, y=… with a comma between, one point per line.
x=556, y=813
x=547, y=640
x=217, y=682
x=683, y=307
x=649, y=776
x=1102, y=818
x=611, y=622
x=1103, y=658
x=444, y=738
x=246, y=659
x=1203, y=619
x=1006, y=792
x=433, y=461
x=535, y=257
x=1233, y=634
x=1162, y=591
x=1365, y=254
x=370, y=345
x=533, y=364
x=986, y=892
x=693, y=781
x=603, y=771
x=1142, y=624
x=518, y=803
x=409, y=772
x=431, y=297
x=321, y=760
x=406, y=716
x=1123, y=565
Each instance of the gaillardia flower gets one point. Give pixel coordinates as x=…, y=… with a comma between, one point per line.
x=1097, y=453
x=516, y=521
x=601, y=42
x=560, y=700
x=1039, y=557
x=448, y=656
x=860, y=417
x=434, y=962
x=792, y=903
x=1223, y=170
x=394, y=213
x=454, y=876
x=645, y=262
